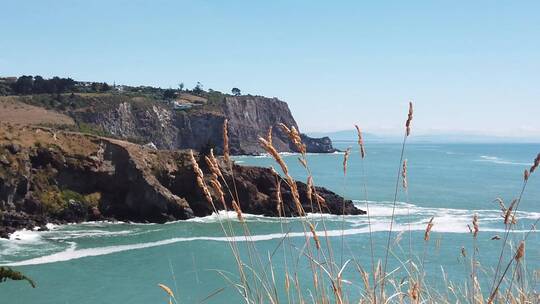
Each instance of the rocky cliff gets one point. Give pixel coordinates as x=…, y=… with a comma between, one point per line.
x=199, y=126
x=53, y=176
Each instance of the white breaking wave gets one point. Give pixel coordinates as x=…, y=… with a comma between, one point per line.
x=284, y=154
x=75, y=234
x=447, y=220
x=71, y=253
x=25, y=236
x=497, y=160
x=226, y=215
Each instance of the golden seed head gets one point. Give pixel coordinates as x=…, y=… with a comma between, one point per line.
x=226, y=155
x=315, y=237
x=508, y=217
x=294, y=136
x=404, y=174
x=428, y=229
x=279, y=205
x=501, y=204
x=236, y=208
x=535, y=164
x=167, y=290
x=213, y=164
x=269, y=148
x=413, y=292
x=269, y=136
x=200, y=178
x=520, y=251
x=409, y=119
x=360, y=142
x=345, y=160
x=309, y=185
x=320, y=200
x=476, y=229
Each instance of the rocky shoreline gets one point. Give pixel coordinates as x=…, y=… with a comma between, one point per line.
x=49, y=176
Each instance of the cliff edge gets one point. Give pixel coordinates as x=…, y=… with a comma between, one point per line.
x=188, y=125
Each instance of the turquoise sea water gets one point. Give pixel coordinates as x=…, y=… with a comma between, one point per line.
x=123, y=263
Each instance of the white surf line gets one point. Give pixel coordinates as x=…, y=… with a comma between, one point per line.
x=500, y=161
x=73, y=254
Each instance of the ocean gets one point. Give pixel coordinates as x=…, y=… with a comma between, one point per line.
x=102, y=262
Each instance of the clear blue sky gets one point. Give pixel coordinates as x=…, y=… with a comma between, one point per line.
x=469, y=66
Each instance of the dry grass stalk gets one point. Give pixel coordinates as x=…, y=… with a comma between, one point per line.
x=428, y=229
x=279, y=204
x=414, y=292
x=167, y=290
x=536, y=163
x=296, y=196
x=309, y=184
x=520, y=252
x=216, y=185
x=404, y=174
x=501, y=204
x=200, y=178
x=475, y=225
x=345, y=160
x=290, y=181
x=226, y=155
x=236, y=208
x=360, y=142
x=274, y=153
x=269, y=135
x=287, y=282
x=409, y=119
x=315, y=237
x=294, y=136
x=303, y=162
x=508, y=217
x=320, y=199
x=213, y=164
x=365, y=278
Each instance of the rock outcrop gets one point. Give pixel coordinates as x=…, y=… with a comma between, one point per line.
x=200, y=126
x=53, y=176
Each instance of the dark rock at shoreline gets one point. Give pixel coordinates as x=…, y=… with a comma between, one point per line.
x=63, y=177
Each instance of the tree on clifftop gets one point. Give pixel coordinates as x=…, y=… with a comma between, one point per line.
x=24, y=85
x=236, y=91
x=169, y=94
x=105, y=87
x=198, y=89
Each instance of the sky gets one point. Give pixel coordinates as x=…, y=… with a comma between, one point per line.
x=470, y=67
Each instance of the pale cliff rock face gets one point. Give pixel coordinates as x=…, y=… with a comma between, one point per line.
x=149, y=123
x=249, y=118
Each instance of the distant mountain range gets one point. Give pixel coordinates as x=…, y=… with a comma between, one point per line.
x=442, y=137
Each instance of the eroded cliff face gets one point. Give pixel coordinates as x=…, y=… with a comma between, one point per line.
x=53, y=176
x=201, y=127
